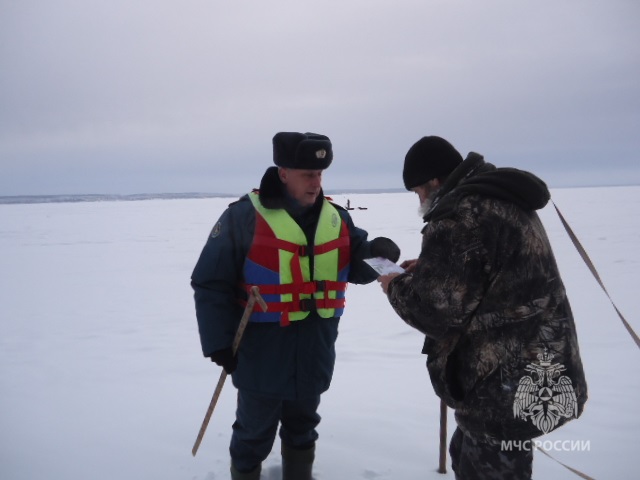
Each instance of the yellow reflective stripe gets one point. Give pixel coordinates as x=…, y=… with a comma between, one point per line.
x=326, y=264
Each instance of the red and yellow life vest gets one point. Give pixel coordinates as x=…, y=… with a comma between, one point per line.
x=278, y=262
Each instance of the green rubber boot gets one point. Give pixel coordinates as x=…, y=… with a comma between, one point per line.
x=297, y=464
x=252, y=475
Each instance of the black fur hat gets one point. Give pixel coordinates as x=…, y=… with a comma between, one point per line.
x=305, y=151
x=429, y=158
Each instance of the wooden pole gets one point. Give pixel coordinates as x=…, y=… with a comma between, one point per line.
x=254, y=297
x=442, y=467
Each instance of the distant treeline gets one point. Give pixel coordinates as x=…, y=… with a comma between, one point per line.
x=106, y=197
x=151, y=196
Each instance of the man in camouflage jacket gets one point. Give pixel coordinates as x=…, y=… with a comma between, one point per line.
x=486, y=292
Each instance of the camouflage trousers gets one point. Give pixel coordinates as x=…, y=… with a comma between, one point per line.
x=472, y=459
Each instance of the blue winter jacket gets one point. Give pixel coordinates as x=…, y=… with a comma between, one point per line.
x=289, y=362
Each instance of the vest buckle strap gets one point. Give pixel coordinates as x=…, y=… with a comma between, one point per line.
x=303, y=251
x=306, y=304
x=326, y=285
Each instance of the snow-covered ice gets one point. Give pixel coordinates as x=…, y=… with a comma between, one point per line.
x=101, y=374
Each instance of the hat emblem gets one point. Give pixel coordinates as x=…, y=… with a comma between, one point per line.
x=322, y=153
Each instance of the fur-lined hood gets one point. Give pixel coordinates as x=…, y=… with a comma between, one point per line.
x=475, y=176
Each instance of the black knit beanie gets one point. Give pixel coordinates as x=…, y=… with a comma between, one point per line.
x=429, y=158
x=305, y=151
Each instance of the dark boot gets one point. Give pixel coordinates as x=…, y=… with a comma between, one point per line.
x=297, y=464
x=252, y=475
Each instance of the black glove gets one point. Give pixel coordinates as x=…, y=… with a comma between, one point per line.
x=226, y=359
x=386, y=248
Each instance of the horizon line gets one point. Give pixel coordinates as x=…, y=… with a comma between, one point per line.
x=95, y=197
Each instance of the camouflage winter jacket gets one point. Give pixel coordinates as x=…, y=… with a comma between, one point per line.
x=500, y=337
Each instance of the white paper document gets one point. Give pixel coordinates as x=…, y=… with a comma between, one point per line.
x=384, y=266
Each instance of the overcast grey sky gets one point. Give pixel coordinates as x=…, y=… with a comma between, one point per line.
x=150, y=96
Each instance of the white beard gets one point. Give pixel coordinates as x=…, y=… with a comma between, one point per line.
x=424, y=207
x=428, y=202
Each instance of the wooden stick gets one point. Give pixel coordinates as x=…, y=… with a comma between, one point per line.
x=442, y=468
x=254, y=297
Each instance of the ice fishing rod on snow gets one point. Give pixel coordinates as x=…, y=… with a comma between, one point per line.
x=254, y=296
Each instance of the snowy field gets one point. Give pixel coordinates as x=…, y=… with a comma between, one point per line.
x=102, y=378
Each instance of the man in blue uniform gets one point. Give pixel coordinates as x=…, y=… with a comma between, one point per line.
x=301, y=250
